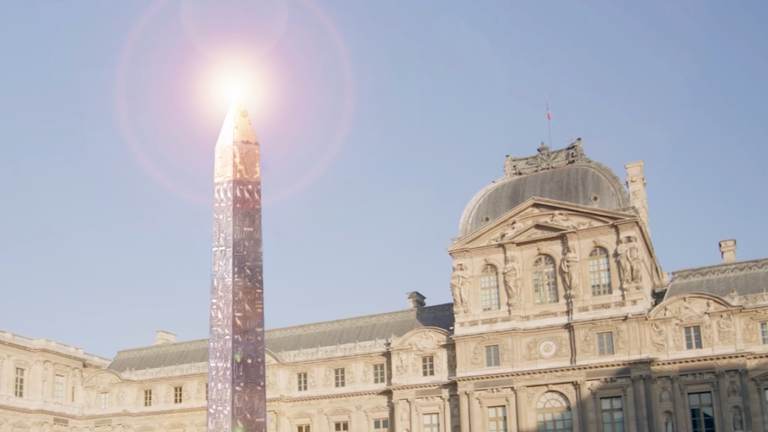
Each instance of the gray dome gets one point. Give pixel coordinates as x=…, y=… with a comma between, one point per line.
x=568, y=177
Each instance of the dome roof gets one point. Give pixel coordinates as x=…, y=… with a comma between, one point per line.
x=563, y=175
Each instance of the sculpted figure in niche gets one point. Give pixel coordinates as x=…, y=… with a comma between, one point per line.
x=659, y=337
x=513, y=281
x=460, y=289
x=622, y=256
x=635, y=260
x=669, y=425
x=571, y=274
x=738, y=423
x=725, y=328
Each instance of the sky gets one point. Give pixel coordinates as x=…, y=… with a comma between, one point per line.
x=378, y=122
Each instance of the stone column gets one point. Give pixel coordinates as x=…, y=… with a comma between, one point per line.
x=474, y=413
x=447, y=413
x=580, y=405
x=745, y=399
x=680, y=403
x=520, y=401
x=464, y=410
x=237, y=400
x=638, y=402
x=512, y=413
x=762, y=402
x=649, y=410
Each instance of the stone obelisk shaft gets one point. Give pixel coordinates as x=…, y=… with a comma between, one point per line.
x=236, y=392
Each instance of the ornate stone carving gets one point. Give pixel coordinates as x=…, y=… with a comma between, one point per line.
x=738, y=421
x=401, y=366
x=513, y=281
x=460, y=288
x=664, y=395
x=571, y=274
x=545, y=160
x=658, y=337
x=424, y=341
x=733, y=390
x=725, y=328
x=508, y=232
x=631, y=262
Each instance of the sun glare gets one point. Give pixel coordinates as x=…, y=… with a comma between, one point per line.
x=235, y=91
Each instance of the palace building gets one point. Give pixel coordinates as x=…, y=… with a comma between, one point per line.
x=562, y=320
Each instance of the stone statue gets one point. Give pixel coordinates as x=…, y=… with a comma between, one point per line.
x=635, y=261
x=510, y=168
x=659, y=338
x=725, y=328
x=512, y=281
x=459, y=288
x=571, y=275
x=622, y=256
x=737, y=421
x=669, y=425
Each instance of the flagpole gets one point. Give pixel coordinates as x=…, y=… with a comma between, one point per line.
x=549, y=120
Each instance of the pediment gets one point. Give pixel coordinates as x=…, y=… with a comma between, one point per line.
x=690, y=307
x=300, y=415
x=538, y=218
x=102, y=379
x=425, y=339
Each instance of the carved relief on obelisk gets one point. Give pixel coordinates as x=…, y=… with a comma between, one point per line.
x=236, y=374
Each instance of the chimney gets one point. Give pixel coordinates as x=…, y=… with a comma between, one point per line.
x=164, y=337
x=416, y=300
x=728, y=250
x=637, y=196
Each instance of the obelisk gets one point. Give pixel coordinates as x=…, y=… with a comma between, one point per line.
x=236, y=392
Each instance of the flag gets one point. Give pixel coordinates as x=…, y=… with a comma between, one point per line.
x=549, y=116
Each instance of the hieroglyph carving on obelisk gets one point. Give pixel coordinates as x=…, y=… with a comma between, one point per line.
x=236, y=376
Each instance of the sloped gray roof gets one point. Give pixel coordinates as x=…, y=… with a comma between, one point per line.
x=308, y=336
x=563, y=175
x=746, y=277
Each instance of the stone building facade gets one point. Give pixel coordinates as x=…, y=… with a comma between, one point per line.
x=562, y=320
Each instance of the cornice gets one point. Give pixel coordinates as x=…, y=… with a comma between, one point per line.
x=754, y=266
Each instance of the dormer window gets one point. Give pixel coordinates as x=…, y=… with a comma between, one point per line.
x=544, y=281
x=489, y=286
x=599, y=272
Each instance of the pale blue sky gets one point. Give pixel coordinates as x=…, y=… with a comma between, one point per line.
x=409, y=107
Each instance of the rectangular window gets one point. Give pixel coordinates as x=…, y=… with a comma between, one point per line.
x=497, y=419
x=764, y=332
x=302, y=428
x=490, y=298
x=104, y=400
x=339, y=379
x=379, y=374
x=428, y=366
x=605, y=343
x=341, y=426
x=381, y=425
x=491, y=355
x=177, y=395
x=431, y=423
x=612, y=413
x=702, y=412
x=693, y=337
x=18, y=389
x=301, y=379
x=58, y=388
x=147, y=398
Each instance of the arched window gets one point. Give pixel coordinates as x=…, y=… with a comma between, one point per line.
x=544, y=282
x=599, y=272
x=553, y=413
x=489, y=286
